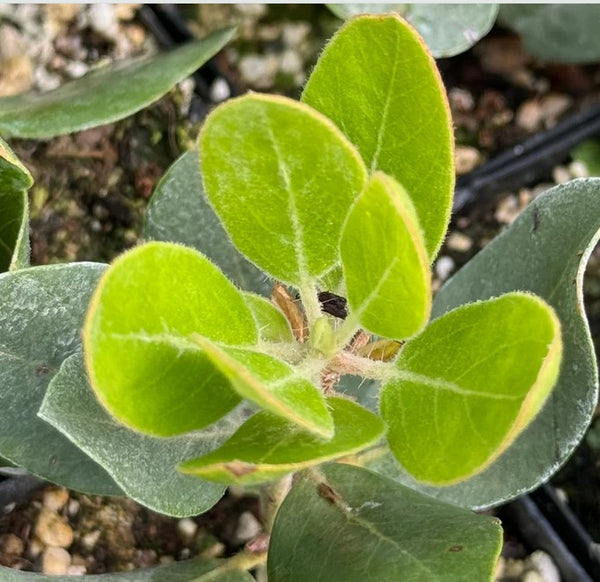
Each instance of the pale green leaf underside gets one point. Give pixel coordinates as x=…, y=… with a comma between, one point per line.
x=15, y=180
x=179, y=212
x=273, y=385
x=281, y=177
x=377, y=83
x=141, y=363
x=143, y=466
x=385, y=263
x=447, y=29
x=266, y=447
x=469, y=384
x=41, y=313
x=545, y=252
x=272, y=324
x=357, y=525
x=556, y=32
x=190, y=571
x=106, y=95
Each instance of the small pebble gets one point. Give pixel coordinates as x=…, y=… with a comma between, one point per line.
x=532, y=576
x=34, y=549
x=55, y=561
x=507, y=210
x=52, y=531
x=443, y=267
x=258, y=70
x=73, y=507
x=560, y=175
x=102, y=19
x=578, y=169
x=16, y=75
x=461, y=100
x=76, y=570
x=290, y=63
x=544, y=566
x=11, y=544
x=529, y=115
x=457, y=241
x=294, y=34
x=248, y=528
x=55, y=499
x=89, y=540
x=219, y=90
x=466, y=158
x=187, y=529
x=76, y=69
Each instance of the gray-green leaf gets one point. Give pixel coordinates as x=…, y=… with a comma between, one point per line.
x=179, y=212
x=41, y=313
x=106, y=95
x=144, y=466
x=357, y=526
x=447, y=29
x=544, y=251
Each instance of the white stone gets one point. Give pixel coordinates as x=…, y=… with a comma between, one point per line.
x=219, y=90
x=290, y=62
x=578, y=169
x=561, y=175
x=55, y=499
x=187, y=529
x=457, y=241
x=443, y=267
x=102, y=19
x=545, y=566
x=248, y=528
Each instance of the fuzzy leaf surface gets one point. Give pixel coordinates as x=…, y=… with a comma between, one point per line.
x=190, y=571
x=41, y=314
x=107, y=94
x=145, y=467
x=556, y=32
x=544, y=251
x=357, y=525
x=469, y=384
x=273, y=385
x=15, y=180
x=141, y=362
x=180, y=212
x=377, y=66
x=272, y=324
x=276, y=166
x=267, y=447
x=385, y=263
x=447, y=29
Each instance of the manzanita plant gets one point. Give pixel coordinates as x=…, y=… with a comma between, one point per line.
x=278, y=330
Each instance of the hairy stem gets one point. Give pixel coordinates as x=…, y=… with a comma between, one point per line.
x=271, y=498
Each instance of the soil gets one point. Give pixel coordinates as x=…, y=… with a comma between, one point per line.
x=92, y=188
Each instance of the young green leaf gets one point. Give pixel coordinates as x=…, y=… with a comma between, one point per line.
x=378, y=83
x=142, y=364
x=357, y=525
x=15, y=180
x=385, y=262
x=41, y=313
x=179, y=212
x=271, y=323
x=274, y=165
x=271, y=384
x=142, y=465
x=266, y=447
x=107, y=94
x=469, y=384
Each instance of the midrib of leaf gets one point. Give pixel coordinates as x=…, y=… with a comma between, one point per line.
x=371, y=528
x=386, y=108
x=441, y=384
x=292, y=208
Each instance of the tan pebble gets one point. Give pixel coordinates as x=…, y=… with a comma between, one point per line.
x=513, y=568
x=529, y=115
x=501, y=55
x=16, y=75
x=525, y=197
x=561, y=175
x=55, y=499
x=52, y=531
x=457, y=241
x=61, y=13
x=466, y=159
x=532, y=576
x=461, y=100
x=78, y=570
x=136, y=34
x=126, y=11
x=500, y=566
x=553, y=106
x=11, y=544
x=55, y=561
x=507, y=210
